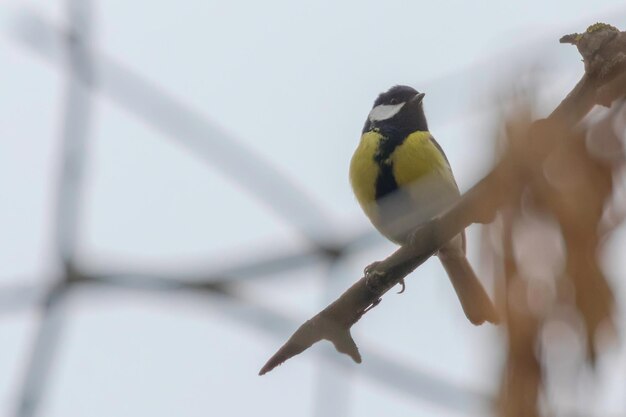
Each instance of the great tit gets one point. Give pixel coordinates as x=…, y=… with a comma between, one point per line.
x=401, y=178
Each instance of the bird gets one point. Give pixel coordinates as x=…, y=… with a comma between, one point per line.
x=401, y=178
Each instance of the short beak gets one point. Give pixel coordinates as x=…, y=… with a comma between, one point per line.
x=417, y=98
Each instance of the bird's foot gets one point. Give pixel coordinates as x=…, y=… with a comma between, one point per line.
x=371, y=269
x=372, y=275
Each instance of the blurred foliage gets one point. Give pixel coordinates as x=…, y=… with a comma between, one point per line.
x=546, y=247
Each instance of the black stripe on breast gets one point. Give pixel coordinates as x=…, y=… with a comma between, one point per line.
x=393, y=202
x=386, y=183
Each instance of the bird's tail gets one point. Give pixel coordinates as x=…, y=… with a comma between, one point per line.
x=475, y=302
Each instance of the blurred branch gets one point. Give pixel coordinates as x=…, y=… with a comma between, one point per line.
x=44, y=349
x=250, y=267
x=602, y=46
x=21, y=296
x=382, y=369
x=75, y=129
x=193, y=131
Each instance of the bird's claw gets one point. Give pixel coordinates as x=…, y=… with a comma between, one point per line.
x=403, y=286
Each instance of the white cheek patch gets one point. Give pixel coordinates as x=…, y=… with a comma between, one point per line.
x=384, y=112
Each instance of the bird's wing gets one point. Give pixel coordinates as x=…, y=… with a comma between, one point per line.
x=432, y=139
x=463, y=238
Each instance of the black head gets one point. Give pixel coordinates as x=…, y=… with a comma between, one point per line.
x=398, y=110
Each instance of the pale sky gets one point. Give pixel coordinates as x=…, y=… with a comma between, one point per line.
x=291, y=82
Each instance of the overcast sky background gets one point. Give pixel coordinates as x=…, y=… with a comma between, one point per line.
x=292, y=82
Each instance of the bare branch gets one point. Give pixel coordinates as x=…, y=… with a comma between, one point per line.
x=603, y=48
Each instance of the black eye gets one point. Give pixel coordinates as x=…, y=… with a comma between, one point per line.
x=393, y=101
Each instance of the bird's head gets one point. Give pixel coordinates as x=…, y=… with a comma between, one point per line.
x=400, y=108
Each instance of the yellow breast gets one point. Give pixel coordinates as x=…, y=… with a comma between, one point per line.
x=413, y=160
x=418, y=157
x=364, y=170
